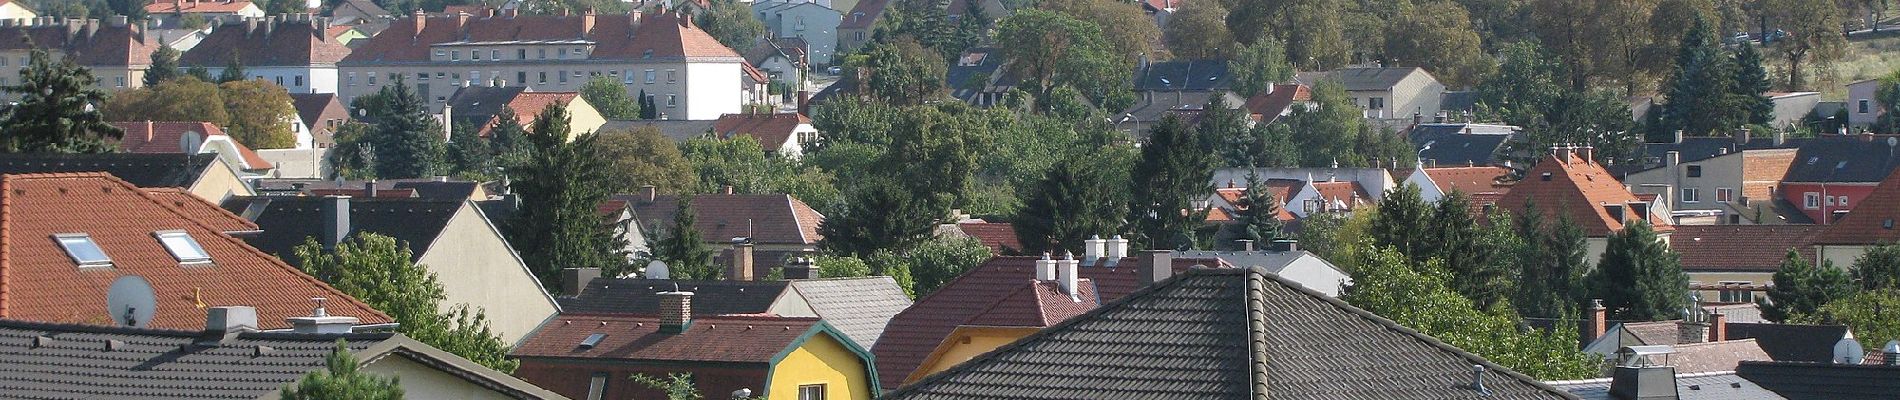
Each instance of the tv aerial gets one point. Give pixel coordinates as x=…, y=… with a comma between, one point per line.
x=131, y=302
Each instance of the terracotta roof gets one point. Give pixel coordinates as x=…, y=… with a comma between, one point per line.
x=470, y=9
x=201, y=210
x=40, y=282
x=316, y=110
x=1740, y=247
x=863, y=15
x=1872, y=221
x=1000, y=237
x=1234, y=195
x=257, y=44
x=1467, y=179
x=195, y=6
x=149, y=137
x=478, y=105
x=88, y=42
x=1348, y=192
x=1038, y=304
x=1579, y=189
x=740, y=339
x=772, y=130
x=1269, y=106
x=914, y=333
x=615, y=37
x=766, y=218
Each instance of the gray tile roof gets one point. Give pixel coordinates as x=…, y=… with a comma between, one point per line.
x=1451, y=145
x=288, y=220
x=679, y=130
x=1191, y=75
x=1705, y=386
x=1225, y=334
x=1791, y=342
x=859, y=307
x=1804, y=381
x=1857, y=160
x=1359, y=79
x=1273, y=261
x=143, y=170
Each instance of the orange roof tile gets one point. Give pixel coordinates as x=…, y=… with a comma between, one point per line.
x=1578, y=188
x=1740, y=247
x=1467, y=179
x=148, y=137
x=1000, y=237
x=40, y=282
x=1348, y=192
x=1872, y=221
x=202, y=210
x=772, y=130
x=1269, y=106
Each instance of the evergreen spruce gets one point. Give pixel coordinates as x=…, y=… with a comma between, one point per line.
x=406, y=140
x=233, y=71
x=1639, y=278
x=342, y=379
x=682, y=248
x=57, y=110
x=1700, y=89
x=1174, y=171
x=1402, y=216
x=1258, y=214
x=1751, y=85
x=164, y=66
x=561, y=187
x=1071, y=203
x=1801, y=289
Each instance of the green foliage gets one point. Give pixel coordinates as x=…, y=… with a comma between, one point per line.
x=1868, y=313
x=678, y=386
x=199, y=71
x=508, y=140
x=1313, y=30
x=1551, y=266
x=1259, y=65
x=1174, y=171
x=343, y=379
x=643, y=156
x=905, y=73
x=1888, y=97
x=180, y=99
x=1257, y=215
x=377, y=270
x=835, y=266
x=258, y=112
x=352, y=156
x=1332, y=236
x=1702, y=91
x=1124, y=26
x=1878, y=268
x=1200, y=33
x=403, y=141
x=56, y=110
x=164, y=66
x=891, y=264
x=1335, y=132
x=558, y=225
x=233, y=71
x=1402, y=216
x=1801, y=289
x=731, y=22
x=606, y=94
x=1751, y=85
x=1814, y=35
x=682, y=247
x=1072, y=203
x=879, y=214
x=469, y=156
x=1057, y=49
x=939, y=260
x=1639, y=278
x=738, y=162
x=1418, y=296
x=1438, y=36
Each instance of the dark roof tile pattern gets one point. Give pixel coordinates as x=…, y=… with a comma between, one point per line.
x=287, y=221
x=1358, y=79
x=1872, y=221
x=766, y=218
x=1740, y=247
x=1225, y=334
x=156, y=363
x=258, y=44
x=1193, y=75
x=858, y=307
x=1000, y=237
x=1038, y=304
x=1706, y=386
x=1842, y=159
x=771, y=130
x=738, y=339
x=144, y=170
x=1791, y=342
x=1817, y=381
x=1450, y=145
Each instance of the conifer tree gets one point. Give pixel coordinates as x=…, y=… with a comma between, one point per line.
x=1551, y=265
x=57, y=111
x=1801, y=289
x=343, y=379
x=1751, y=85
x=558, y=225
x=164, y=66
x=682, y=248
x=1700, y=90
x=1173, y=172
x=1639, y=278
x=1258, y=217
x=406, y=140
x=1071, y=203
x=233, y=71
x=1402, y=216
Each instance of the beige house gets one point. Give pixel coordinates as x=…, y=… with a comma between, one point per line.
x=1733, y=185
x=1385, y=93
x=478, y=108
x=15, y=10
x=117, y=52
x=1737, y=263
x=452, y=238
x=1863, y=108
x=683, y=71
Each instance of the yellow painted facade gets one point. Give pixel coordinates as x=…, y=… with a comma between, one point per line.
x=821, y=360
x=965, y=343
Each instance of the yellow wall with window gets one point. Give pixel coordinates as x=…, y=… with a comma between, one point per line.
x=964, y=343
x=822, y=359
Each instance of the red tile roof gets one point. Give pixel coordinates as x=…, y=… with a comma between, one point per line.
x=1740, y=247
x=148, y=137
x=1348, y=192
x=202, y=210
x=1000, y=237
x=1467, y=179
x=615, y=37
x=196, y=6
x=726, y=338
x=766, y=218
x=771, y=130
x=1234, y=195
x=863, y=15
x=1579, y=189
x=259, y=44
x=89, y=42
x=1269, y=106
x=1038, y=304
x=1872, y=221
x=911, y=335
x=40, y=282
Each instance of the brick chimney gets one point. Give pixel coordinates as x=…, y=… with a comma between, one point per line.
x=740, y=267
x=420, y=21
x=1593, y=327
x=676, y=311
x=1692, y=332
x=1718, y=327
x=804, y=102
x=1156, y=266
x=587, y=21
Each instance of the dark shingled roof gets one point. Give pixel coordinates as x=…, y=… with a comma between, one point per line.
x=1201, y=75
x=142, y=170
x=1451, y=146
x=1225, y=334
x=422, y=187
x=1694, y=149
x=641, y=296
x=1705, y=386
x=1858, y=161
x=766, y=218
x=288, y=220
x=1791, y=342
x=1804, y=381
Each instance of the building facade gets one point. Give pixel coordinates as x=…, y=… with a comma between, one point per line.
x=117, y=52
x=294, y=51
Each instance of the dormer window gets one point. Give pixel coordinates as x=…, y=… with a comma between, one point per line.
x=647, y=54
x=182, y=247
x=80, y=247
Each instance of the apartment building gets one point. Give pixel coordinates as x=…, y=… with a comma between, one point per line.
x=117, y=52
x=292, y=50
x=686, y=73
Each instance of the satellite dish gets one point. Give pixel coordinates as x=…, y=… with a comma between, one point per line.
x=658, y=270
x=189, y=142
x=131, y=302
x=1893, y=141
x=1848, y=351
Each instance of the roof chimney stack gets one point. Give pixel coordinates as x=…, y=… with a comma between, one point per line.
x=740, y=269
x=1156, y=266
x=801, y=268
x=1593, y=327
x=420, y=21
x=1067, y=276
x=574, y=280
x=649, y=192
x=1117, y=249
x=1643, y=383
x=336, y=220
x=1093, y=249
x=1718, y=327
x=1045, y=268
x=369, y=189
x=230, y=319
x=320, y=321
x=676, y=311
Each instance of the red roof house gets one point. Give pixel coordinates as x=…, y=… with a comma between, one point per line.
x=148, y=137
x=1569, y=183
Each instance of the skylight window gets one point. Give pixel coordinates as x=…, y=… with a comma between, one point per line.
x=592, y=340
x=83, y=251
x=182, y=246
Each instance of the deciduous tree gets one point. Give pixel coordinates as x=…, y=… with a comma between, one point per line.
x=260, y=113
x=1814, y=36
x=378, y=270
x=1438, y=36
x=1257, y=66
x=904, y=73
x=1878, y=268
x=645, y=157
x=1200, y=32
x=606, y=94
x=732, y=24
x=1062, y=50
x=181, y=99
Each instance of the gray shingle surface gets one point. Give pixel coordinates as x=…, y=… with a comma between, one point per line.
x=1804, y=381
x=641, y=296
x=154, y=363
x=143, y=170
x=1710, y=386
x=1225, y=334
x=859, y=307
x=288, y=221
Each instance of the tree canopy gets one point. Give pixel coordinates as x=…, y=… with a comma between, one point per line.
x=57, y=110
x=377, y=270
x=342, y=379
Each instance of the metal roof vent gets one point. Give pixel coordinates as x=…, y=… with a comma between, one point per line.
x=1477, y=380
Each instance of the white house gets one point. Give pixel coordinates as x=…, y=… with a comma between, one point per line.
x=292, y=51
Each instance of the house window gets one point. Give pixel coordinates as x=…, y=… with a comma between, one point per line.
x=672, y=100
x=372, y=79
x=1810, y=200
x=563, y=75
x=1737, y=292
x=860, y=35
x=650, y=76
x=1691, y=195
x=1724, y=195
x=182, y=247
x=521, y=54
x=351, y=81
x=1864, y=106
x=1376, y=103
x=455, y=55
x=298, y=80
x=597, y=386
x=1842, y=202
x=1827, y=200
x=80, y=247
x=120, y=80
x=476, y=77
x=494, y=55
x=671, y=76
x=544, y=76
x=521, y=77
x=541, y=53
x=627, y=78
x=441, y=53
x=1695, y=171
x=280, y=81
x=562, y=53
x=811, y=392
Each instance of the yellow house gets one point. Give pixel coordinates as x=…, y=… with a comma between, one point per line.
x=1029, y=308
x=592, y=356
x=478, y=107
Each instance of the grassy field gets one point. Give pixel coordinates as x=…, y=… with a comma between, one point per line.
x=1868, y=56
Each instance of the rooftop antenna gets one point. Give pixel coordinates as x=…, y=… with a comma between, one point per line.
x=131, y=302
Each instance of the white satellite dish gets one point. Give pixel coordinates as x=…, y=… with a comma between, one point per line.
x=1848, y=351
x=658, y=270
x=131, y=301
x=189, y=142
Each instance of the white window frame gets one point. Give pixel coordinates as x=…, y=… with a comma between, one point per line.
x=815, y=391
x=1724, y=195
x=67, y=241
x=1811, y=200
x=183, y=247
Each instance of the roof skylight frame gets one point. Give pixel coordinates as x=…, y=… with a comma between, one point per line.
x=83, y=250
x=182, y=247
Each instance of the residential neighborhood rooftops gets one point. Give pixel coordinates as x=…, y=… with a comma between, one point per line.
x=1791, y=342
x=765, y=218
x=1805, y=381
x=197, y=6
x=267, y=43
x=1858, y=158
x=1740, y=247
x=1000, y=237
x=1363, y=78
x=204, y=211
x=1872, y=221
x=730, y=338
x=1460, y=144
x=1191, y=75
x=657, y=36
x=1720, y=356
x=1225, y=334
x=1469, y=180
x=1581, y=190
x=1038, y=304
x=87, y=42
x=144, y=170
x=1279, y=100
x=857, y=307
x=288, y=221
x=771, y=130
x=149, y=137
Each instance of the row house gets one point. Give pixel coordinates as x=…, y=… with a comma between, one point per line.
x=812, y=22
x=1707, y=180
x=172, y=14
x=293, y=50
x=117, y=52
x=1832, y=174
x=1570, y=184
x=683, y=70
x=1384, y=93
x=1307, y=191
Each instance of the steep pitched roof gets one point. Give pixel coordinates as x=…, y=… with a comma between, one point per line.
x=144, y=170
x=260, y=44
x=864, y=14
x=1000, y=237
x=1872, y=221
x=912, y=334
x=766, y=218
x=1842, y=159
x=158, y=363
x=1579, y=189
x=661, y=36
x=315, y=110
x=1270, y=105
x=1693, y=149
x=738, y=339
x=1193, y=75
x=858, y=307
x=287, y=221
x=39, y=281
x=1740, y=247
x=87, y=42
x=1791, y=342
x=428, y=188
x=1038, y=304
x=771, y=130
x=1225, y=334
x=201, y=210
x=1461, y=144
x=149, y=137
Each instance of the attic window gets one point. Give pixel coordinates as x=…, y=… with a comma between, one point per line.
x=182, y=246
x=647, y=54
x=83, y=251
x=1887, y=224
x=592, y=340
x=1544, y=177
